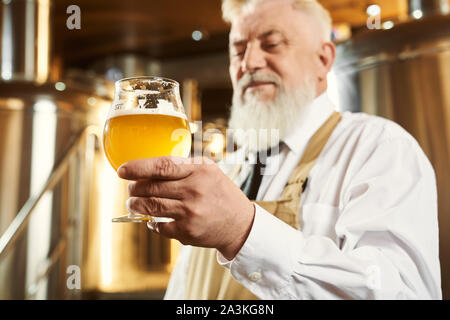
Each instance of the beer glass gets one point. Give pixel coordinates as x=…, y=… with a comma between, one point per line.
x=146, y=119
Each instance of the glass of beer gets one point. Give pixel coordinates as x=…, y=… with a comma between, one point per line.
x=146, y=119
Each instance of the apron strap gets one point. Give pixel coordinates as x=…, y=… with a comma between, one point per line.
x=288, y=206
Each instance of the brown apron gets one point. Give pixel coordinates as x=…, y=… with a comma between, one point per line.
x=206, y=279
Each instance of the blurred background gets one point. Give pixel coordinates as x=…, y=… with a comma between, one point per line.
x=57, y=191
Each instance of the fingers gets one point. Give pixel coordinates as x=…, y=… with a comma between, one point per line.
x=164, y=168
x=155, y=188
x=158, y=207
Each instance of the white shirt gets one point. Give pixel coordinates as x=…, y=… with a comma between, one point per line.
x=368, y=226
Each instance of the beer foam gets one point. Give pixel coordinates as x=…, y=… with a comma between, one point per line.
x=145, y=91
x=138, y=111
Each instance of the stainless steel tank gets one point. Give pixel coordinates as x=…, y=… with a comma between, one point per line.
x=48, y=137
x=46, y=144
x=57, y=191
x=404, y=74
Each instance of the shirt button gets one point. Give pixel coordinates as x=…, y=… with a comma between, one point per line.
x=254, y=276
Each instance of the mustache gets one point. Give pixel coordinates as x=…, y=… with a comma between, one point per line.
x=249, y=78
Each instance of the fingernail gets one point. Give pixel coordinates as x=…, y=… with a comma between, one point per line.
x=121, y=172
x=152, y=226
x=131, y=212
x=132, y=215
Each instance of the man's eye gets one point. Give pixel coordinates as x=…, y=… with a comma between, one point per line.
x=271, y=45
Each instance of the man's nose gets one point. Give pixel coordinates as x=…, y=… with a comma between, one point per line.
x=254, y=58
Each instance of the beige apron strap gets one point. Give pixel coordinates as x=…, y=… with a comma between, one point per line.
x=206, y=279
x=204, y=272
x=288, y=206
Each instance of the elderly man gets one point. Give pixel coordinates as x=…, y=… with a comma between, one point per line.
x=349, y=210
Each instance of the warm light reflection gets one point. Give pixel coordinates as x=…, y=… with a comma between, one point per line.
x=99, y=114
x=193, y=127
x=417, y=14
x=43, y=33
x=60, y=86
x=39, y=227
x=6, y=44
x=197, y=35
x=92, y=101
x=373, y=10
x=30, y=40
x=106, y=208
x=388, y=25
x=217, y=143
x=174, y=251
x=108, y=192
x=332, y=90
x=13, y=103
x=341, y=32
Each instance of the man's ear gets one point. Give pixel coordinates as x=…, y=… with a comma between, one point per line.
x=327, y=55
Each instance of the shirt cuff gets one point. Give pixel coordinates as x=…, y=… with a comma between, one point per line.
x=265, y=263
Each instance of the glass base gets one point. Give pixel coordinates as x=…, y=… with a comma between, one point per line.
x=140, y=218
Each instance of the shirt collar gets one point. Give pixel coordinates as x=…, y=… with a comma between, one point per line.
x=316, y=114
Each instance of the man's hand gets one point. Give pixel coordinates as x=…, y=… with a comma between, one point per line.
x=208, y=209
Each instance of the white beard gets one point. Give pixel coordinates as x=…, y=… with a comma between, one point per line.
x=261, y=125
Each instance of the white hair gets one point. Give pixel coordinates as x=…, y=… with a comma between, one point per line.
x=232, y=8
x=282, y=114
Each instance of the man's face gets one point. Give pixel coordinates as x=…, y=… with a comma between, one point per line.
x=273, y=42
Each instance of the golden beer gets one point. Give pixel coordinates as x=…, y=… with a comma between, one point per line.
x=130, y=136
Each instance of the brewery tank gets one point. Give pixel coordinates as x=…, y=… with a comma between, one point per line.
x=47, y=140
x=403, y=74
x=57, y=191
